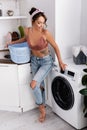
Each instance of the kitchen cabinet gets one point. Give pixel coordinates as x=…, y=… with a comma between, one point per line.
x=8, y=85
x=15, y=92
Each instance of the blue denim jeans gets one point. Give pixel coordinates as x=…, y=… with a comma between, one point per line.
x=40, y=68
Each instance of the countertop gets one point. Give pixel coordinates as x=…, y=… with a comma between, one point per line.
x=3, y=59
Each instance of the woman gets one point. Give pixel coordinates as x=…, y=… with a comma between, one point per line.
x=38, y=39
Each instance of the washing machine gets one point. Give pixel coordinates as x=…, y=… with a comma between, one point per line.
x=66, y=100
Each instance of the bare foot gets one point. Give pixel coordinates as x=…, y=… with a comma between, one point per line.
x=42, y=113
x=42, y=117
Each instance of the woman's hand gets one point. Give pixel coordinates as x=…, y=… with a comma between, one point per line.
x=62, y=65
x=8, y=38
x=7, y=44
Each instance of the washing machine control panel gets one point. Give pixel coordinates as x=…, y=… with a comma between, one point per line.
x=68, y=73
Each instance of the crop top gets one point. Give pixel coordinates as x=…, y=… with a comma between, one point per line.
x=42, y=43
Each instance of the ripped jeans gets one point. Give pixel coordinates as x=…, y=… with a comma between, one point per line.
x=40, y=68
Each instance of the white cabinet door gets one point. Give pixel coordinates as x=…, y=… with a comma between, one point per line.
x=9, y=91
x=27, y=101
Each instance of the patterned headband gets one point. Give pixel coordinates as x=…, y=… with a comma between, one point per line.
x=36, y=12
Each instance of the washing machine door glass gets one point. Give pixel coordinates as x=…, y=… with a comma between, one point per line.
x=62, y=92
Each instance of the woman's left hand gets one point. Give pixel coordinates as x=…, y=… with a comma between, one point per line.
x=62, y=65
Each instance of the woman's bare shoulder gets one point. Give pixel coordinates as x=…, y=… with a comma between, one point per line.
x=26, y=30
x=47, y=33
x=49, y=36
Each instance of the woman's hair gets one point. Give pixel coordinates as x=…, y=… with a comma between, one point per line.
x=36, y=13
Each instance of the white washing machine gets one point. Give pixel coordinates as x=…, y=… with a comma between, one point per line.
x=67, y=102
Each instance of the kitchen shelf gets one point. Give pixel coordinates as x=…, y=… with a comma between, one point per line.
x=12, y=17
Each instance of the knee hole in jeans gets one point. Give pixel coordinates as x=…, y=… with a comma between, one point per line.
x=33, y=84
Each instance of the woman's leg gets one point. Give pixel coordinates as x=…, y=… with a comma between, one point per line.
x=40, y=72
x=42, y=113
x=39, y=100
x=42, y=87
x=39, y=76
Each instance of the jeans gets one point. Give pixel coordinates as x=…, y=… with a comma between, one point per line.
x=40, y=68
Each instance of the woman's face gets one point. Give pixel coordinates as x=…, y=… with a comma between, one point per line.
x=39, y=23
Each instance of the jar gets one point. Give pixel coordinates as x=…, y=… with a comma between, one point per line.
x=10, y=12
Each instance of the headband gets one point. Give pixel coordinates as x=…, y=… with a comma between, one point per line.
x=36, y=12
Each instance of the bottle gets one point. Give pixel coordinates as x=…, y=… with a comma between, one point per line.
x=0, y=9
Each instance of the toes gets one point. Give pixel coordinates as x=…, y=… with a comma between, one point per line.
x=42, y=119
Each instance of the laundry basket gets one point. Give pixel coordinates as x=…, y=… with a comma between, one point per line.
x=20, y=52
x=79, y=54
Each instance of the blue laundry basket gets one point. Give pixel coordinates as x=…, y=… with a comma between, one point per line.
x=19, y=53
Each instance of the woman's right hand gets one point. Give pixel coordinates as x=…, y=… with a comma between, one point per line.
x=7, y=44
x=8, y=39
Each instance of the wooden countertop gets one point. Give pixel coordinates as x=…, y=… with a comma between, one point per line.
x=4, y=61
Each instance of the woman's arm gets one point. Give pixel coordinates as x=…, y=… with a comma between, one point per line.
x=15, y=42
x=52, y=42
x=19, y=40
x=23, y=39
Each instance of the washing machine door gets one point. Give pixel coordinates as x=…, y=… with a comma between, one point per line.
x=62, y=93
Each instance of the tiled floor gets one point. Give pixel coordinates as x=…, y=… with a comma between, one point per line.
x=29, y=121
